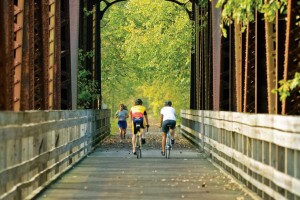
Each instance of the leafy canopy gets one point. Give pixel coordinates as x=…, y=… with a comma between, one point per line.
x=146, y=47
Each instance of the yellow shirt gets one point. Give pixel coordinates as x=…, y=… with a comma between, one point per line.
x=138, y=111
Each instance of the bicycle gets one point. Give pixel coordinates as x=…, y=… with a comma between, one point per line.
x=138, y=142
x=168, y=146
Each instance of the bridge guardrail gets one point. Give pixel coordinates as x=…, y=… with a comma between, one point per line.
x=36, y=147
x=260, y=150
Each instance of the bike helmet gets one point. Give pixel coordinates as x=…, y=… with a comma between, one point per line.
x=168, y=103
x=138, y=102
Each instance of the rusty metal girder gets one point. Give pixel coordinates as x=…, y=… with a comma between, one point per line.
x=198, y=59
x=27, y=81
x=275, y=34
x=238, y=40
x=50, y=70
x=250, y=70
x=18, y=44
x=207, y=59
x=6, y=54
x=292, y=58
x=216, y=44
x=27, y=64
x=271, y=54
x=57, y=58
x=193, y=71
x=41, y=49
x=205, y=93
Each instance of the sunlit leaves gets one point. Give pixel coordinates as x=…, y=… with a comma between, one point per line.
x=88, y=89
x=243, y=11
x=286, y=86
x=145, y=51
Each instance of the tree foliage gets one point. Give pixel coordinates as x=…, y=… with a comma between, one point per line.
x=286, y=86
x=243, y=11
x=146, y=47
x=88, y=90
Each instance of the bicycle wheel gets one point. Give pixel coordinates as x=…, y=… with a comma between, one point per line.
x=168, y=152
x=138, y=152
x=138, y=147
x=168, y=147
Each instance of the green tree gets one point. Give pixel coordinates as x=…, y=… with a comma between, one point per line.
x=88, y=90
x=242, y=11
x=146, y=54
x=286, y=86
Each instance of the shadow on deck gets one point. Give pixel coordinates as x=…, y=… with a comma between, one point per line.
x=113, y=172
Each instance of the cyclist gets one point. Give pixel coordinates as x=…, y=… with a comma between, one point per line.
x=167, y=118
x=122, y=114
x=138, y=114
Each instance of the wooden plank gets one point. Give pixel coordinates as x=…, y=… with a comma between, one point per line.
x=24, y=157
x=3, y=164
x=26, y=130
x=24, y=152
x=278, y=177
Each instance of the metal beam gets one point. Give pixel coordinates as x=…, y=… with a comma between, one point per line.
x=6, y=54
x=292, y=57
x=27, y=81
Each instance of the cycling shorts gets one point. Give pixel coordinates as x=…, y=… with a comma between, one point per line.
x=166, y=123
x=137, y=120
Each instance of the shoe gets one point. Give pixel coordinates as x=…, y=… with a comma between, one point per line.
x=163, y=153
x=134, y=153
x=143, y=141
x=172, y=141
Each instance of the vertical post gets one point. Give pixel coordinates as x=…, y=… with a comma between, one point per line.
x=98, y=53
x=216, y=36
x=6, y=54
x=18, y=55
x=193, y=63
x=27, y=81
x=74, y=35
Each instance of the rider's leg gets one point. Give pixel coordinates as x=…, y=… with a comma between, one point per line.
x=143, y=135
x=133, y=142
x=143, y=132
x=163, y=142
x=172, y=131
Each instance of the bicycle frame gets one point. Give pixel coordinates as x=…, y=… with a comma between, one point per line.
x=138, y=142
x=168, y=146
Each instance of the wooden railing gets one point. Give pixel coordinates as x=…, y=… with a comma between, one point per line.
x=36, y=147
x=260, y=150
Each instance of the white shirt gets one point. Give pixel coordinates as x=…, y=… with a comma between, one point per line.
x=168, y=113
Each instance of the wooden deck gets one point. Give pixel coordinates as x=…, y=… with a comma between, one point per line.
x=113, y=172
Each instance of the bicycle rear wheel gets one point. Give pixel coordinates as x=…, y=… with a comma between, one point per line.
x=168, y=146
x=138, y=149
x=168, y=152
x=138, y=152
